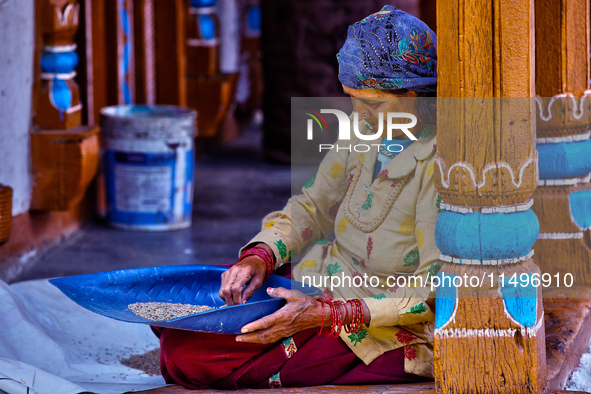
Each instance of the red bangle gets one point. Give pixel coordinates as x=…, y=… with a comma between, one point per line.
x=269, y=255
x=345, y=314
x=337, y=318
x=333, y=313
x=263, y=254
x=270, y=262
x=357, y=316
x=328, y=331
x=322, y=321
x=347, y=327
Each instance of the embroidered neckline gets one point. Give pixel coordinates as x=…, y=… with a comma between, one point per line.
x=368, y=227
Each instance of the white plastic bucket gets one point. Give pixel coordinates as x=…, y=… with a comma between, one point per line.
x=148, y=160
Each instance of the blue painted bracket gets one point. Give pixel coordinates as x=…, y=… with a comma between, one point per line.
x=490, y=236
x=203, y=3
x=564, y=159
x=521, y=302
x=59, y=62
x=580, y=208
x=445, y=303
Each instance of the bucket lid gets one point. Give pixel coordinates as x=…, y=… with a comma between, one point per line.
x=148, y=121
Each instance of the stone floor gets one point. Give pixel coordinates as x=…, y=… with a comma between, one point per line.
x=234, y=189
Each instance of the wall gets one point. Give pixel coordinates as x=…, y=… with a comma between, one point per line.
x=16, y=78
x=229, y=15
x=300, y=44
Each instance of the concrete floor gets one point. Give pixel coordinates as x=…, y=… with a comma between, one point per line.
x=234, y=189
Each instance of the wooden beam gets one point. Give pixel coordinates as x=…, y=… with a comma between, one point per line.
x=562, y=47
x=145, y=46
x=486, y=339
x=56, y=94
x=169, y=24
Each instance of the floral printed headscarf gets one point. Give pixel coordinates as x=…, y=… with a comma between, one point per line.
x=390, y=49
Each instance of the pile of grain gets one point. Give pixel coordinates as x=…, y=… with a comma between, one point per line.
x=157, y=311
x=148, y=362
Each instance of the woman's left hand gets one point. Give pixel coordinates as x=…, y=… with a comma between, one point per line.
x=300, y=313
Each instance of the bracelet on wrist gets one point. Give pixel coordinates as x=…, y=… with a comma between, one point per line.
x=321, y=321
x=340, y=313
x=263, y=254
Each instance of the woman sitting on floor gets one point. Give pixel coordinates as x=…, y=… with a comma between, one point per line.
x=382, y=207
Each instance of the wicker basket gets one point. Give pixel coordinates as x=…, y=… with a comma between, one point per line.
x=5, y=212
x=212, y=97
x=63, y=163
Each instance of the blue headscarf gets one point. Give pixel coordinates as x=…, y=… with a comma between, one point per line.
x=390, y=49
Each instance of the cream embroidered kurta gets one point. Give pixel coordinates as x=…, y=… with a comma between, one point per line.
x=383, y=228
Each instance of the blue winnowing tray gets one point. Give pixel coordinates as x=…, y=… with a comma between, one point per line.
x=109, y=294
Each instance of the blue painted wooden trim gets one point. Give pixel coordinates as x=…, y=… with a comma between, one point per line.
x=207, y=27
x=124, y=19
x=253, y=18
x=491, y=236
x=564, y=159
x=580, y=208
x=59, y=62
x=521, y=302
x=126, y=58
x=203, y=3
x=60, y=96
x=445, y=303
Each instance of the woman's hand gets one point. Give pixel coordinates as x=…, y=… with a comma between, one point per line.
x=250, y=272
x=300, y=313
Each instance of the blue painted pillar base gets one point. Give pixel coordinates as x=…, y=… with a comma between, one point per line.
x=487, y=324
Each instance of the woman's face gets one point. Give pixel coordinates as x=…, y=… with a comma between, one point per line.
x=369, y=103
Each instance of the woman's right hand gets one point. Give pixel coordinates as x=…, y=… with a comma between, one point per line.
x=249, y=272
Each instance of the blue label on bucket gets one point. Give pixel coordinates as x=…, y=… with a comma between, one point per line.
x=140, y=187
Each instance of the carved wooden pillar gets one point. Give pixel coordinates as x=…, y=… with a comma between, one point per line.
x=64, y=154
x=125, y=53
x=203, y=38
x=209, y=91
x=563, y=196
x=250, y=95
x=145, y=56
x=489, y=335
x=188, y=64
x=171, y=51
x=57, y=100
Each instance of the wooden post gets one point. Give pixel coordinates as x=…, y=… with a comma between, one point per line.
x=489, y=336
x=209, y=91
x=125, y=53
x=64, y=154
x=563, y=124
x=203, y=38
x=251, y=57
x=145, y=46
x=56, y=100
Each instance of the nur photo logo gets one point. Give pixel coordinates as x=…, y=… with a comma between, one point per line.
x=391, y=123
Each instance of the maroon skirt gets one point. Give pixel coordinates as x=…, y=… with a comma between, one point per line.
x=200, y=360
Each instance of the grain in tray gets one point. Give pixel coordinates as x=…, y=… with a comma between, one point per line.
x=157, y=311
